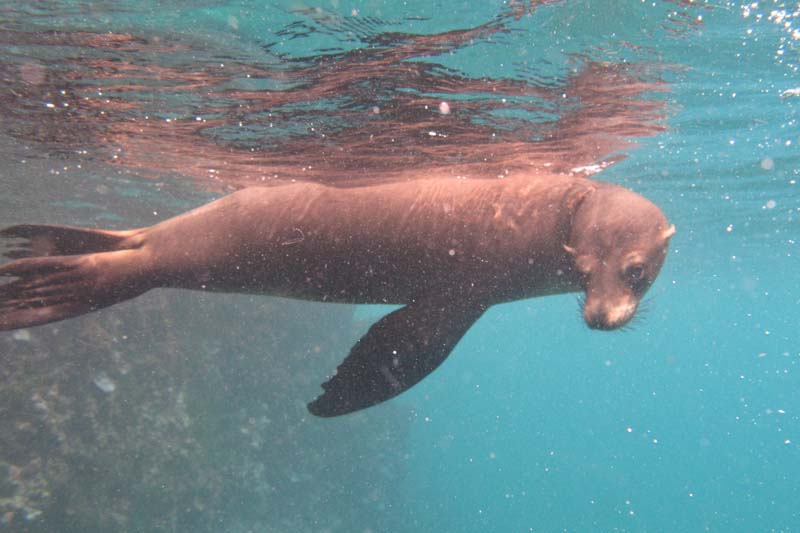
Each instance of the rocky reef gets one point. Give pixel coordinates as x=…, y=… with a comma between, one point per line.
x=186, y=412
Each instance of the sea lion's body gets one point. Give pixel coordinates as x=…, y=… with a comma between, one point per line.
x=447, y=249
x=395, y=243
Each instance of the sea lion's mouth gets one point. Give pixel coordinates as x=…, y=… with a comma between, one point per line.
x=603, y=325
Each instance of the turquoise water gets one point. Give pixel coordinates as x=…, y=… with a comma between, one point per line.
x=119, y=114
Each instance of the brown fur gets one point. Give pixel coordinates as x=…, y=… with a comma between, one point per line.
x=445, y=248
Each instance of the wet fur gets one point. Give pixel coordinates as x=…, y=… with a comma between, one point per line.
x=445, y=249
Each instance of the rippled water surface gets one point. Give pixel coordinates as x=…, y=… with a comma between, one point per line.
x=186, y=412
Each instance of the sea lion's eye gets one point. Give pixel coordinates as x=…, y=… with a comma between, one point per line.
x=634, y=274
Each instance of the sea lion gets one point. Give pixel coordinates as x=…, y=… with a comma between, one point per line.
x=445, y=249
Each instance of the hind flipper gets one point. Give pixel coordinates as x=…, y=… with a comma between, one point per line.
x=47, y=289
x=40, y=240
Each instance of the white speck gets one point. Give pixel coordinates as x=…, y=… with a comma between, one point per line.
x=589, y=169
x=444, y=108
x=770, y=204
x=432, y=133
x=629, y=430
x=376, y=110
x=104, y=383
x=492, y=455
x=22, y=335
x=451, y=252
x=49, y=105
x=729, y=228
x=767, y=163
x=787, y=441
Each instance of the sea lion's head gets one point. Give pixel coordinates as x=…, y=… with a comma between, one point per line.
x=618, y=242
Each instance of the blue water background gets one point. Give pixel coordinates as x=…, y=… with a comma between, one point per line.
x=690, y=420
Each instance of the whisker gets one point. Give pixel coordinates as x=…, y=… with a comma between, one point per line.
x=646, y=303
x=642, y=311
x=639, y=318
x=581, y=304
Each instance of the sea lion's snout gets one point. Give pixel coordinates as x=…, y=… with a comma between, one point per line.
x=608, y=316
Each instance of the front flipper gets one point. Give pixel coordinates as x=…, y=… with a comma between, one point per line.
x=397, y=352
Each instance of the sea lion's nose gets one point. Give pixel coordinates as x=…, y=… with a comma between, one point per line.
x=608, y=316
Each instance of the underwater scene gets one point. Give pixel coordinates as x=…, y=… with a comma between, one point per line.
x=202, y=410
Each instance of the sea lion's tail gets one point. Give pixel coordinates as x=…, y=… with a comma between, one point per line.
x=61, y=271
x=40, y=240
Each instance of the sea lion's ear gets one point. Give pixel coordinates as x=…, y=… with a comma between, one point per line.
x=576, y=195
x=669, y=232
x=583, y=263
